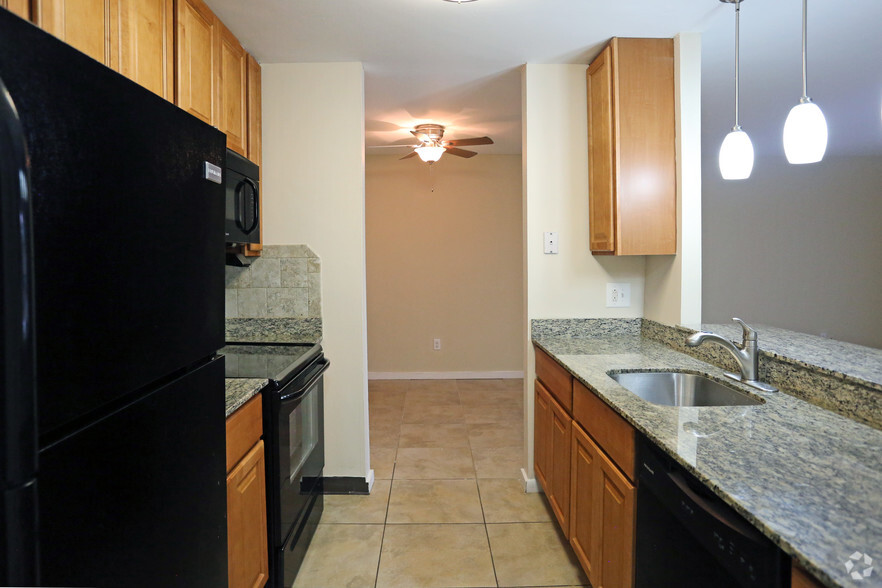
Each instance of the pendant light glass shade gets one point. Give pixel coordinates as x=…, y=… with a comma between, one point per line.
x=736, y=156
x=736, y=152
x=805, y=130
x=430, y=154
x=805, y=134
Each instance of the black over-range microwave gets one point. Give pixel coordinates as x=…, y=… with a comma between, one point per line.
x=242, y=224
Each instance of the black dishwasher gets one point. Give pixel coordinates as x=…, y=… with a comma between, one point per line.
x=689, y=538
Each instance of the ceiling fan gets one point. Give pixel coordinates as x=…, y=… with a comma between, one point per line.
x=431, y=146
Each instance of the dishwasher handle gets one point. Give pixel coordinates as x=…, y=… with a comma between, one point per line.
x=715, y=508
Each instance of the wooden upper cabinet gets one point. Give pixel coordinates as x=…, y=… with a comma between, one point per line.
x=233, y=92
x=631, y=149
x=197, y=78
x=84, y=24
x=255, y=129
x=144, y=47
x=600, y=154
x=20, y=7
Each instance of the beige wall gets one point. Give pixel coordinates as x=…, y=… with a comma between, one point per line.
x=571, y=284
x=444, y=261
x=673, y=282
x=313, y=193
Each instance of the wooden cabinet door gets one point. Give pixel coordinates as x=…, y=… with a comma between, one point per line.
x=585, y=512
x=616, y=554
x=542, y=436
x=601, y=160
x=799, y=578
x=255, y=132
x=255, y=129
x=20, y=7
x=561, y=426
x=84, y=24
x=246, y=521
x=233, y=92
x=198, y=60
x=145, y=42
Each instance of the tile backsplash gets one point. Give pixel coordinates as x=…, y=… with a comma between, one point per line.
x=284, y=282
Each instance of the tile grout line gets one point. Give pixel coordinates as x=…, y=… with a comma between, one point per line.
x=385, y=519
x=487, y=532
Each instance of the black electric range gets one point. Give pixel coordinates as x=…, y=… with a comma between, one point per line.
x=277, y=362
x=293, y=432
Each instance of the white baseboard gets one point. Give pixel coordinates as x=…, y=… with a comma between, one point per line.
x=445, y=375
x=370, y=480
x=531, y=486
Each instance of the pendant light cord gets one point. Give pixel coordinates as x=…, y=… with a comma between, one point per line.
x=737, y=62
x=804, y=60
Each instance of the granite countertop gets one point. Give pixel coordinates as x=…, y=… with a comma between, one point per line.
x=241, y=390
x=264, y=330
x=809, y=479
x=846, y=360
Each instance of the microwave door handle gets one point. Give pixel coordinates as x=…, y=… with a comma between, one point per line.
x=256, y=203
x=239, y=212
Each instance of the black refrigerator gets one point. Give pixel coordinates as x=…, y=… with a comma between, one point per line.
x=112, y=418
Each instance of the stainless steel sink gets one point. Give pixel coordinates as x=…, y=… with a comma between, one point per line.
x=681, y=389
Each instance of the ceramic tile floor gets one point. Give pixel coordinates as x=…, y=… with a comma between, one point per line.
x=448, y=507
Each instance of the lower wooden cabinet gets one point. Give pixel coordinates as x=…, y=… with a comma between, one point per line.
x=602, y=511
x=617, y=527
x=584, y=532
x=246, y=521
x=541, y=434
x=552, y=452
x=799, y=578
x=561, y=431
x=247, y=541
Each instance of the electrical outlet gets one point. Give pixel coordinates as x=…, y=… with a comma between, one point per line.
x=437, y=345
x=551, y=242
x=618, y=295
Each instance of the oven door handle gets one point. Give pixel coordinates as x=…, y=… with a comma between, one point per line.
x=320, y=368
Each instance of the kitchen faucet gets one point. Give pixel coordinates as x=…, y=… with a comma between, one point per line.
x=746, y=353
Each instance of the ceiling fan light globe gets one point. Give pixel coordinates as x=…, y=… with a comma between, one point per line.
x=805, y=134
x=736, y=156
x=430, y=154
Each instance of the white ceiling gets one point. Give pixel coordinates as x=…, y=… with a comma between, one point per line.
x=458, y=64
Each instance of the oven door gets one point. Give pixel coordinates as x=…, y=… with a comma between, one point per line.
x=299, y=456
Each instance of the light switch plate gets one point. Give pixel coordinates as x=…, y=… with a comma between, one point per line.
x=551, y=242
x=618, y=295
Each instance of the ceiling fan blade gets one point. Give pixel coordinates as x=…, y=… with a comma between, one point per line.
x=473, y=141
x=408, y=156
x=421, y=137
x=460, y=152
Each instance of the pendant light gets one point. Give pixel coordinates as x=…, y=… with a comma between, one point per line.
x=736, y=152
x=805, y=131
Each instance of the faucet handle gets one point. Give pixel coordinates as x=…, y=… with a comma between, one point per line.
x=749, y=334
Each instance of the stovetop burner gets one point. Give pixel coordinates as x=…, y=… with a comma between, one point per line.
x=277, y=362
